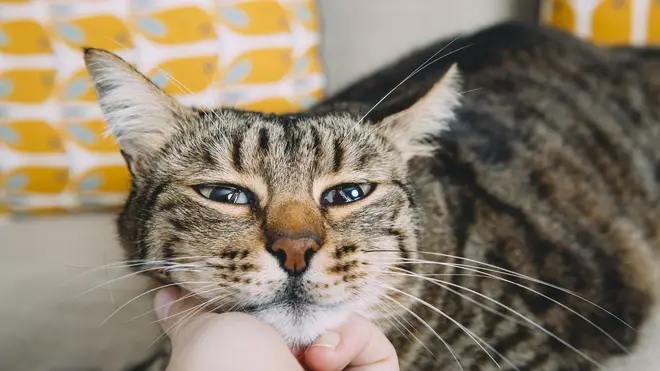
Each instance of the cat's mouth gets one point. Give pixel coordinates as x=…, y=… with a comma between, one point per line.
x=292, y=298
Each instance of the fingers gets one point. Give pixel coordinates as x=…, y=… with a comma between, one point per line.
x=357, y=345
x=229, y=341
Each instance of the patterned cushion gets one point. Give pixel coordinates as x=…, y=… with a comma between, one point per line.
x=54, y=156
x=610, y=22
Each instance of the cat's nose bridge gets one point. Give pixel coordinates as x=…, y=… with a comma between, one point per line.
x=294, y=218
x=294, y=231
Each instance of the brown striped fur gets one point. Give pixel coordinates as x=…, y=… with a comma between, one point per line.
x=550, y=169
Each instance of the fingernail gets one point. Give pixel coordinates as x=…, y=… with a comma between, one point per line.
x=329, y=339
x=163, y=301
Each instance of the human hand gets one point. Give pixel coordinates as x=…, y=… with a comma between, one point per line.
x=239, y=342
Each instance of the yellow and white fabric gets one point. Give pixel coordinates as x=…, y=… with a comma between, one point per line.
x=607, y=22
x=256, y=54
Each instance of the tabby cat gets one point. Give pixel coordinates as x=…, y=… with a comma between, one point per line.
x=492, y=201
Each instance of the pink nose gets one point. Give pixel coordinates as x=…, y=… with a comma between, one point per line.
x=294, y=254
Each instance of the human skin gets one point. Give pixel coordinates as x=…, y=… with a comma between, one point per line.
x=240, y=342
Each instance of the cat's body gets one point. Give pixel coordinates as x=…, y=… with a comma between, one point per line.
x=549, y=170
x=552, y=170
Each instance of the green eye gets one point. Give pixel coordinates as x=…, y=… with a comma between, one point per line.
x=225, y=194
x=346, y=193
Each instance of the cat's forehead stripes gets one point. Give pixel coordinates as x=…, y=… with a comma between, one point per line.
x=289, y=151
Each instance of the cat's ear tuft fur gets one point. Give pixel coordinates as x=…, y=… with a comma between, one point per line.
x=432, y=114
x=138, y=114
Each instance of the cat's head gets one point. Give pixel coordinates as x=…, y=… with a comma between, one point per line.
x=297, y=219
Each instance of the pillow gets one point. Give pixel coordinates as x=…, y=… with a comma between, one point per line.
x=608, y=22
x=54, y=156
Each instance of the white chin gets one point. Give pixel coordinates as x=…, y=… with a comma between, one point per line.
x=300, y=326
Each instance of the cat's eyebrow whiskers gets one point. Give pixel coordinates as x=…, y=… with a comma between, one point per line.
x=424, y=65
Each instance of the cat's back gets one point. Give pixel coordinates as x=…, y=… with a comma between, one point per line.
x=551, y=166
x=546, y=118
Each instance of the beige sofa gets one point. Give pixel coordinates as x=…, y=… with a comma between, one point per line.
x=45, y=324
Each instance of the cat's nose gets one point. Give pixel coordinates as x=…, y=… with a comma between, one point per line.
x=295, y=253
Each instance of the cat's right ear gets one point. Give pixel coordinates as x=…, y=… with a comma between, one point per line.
x=429, y=116
x=138, y=114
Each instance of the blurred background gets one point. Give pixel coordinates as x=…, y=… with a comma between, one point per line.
x=62, y=181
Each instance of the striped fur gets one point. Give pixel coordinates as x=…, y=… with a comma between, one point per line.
x=549, y=169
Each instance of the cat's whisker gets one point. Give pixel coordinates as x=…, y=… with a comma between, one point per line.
x=455, y=322
x=523, y=317
x=401, y=316
x=187, y=316
x=206, y=305
x=184, y=297
x=426, y=63
x=405, y=273
x=179, y=84
x=488, y=275
x=141, y=295
x=389, y=318
x=221, y=303
x=109, y=282
x=508, y=272
x=131, y=274
x=429, y=327
x=469, y=91
x=391, y=313
x=491, y=348
x=220, y=298
x=183, y=88
x=130, y=264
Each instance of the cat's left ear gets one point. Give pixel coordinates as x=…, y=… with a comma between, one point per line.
x=432, y=114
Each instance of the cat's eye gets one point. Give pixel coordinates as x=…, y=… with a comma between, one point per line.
x=225, y=194
x=346, y=193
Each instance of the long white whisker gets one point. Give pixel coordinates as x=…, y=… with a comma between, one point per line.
x=546, y=331
x=187, y=316
x=184, y=297
x=111, y=281
x=425, y=324
x=509, y=272
x=143, y=294
x=488, y=275
x=386, y=306
x=130, y=264
x=178, y=83
x=405, y=273
x=412, y=75
x=220, y=299
x=455, y=322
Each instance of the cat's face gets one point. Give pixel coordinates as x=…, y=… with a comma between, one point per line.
x=296, y=219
